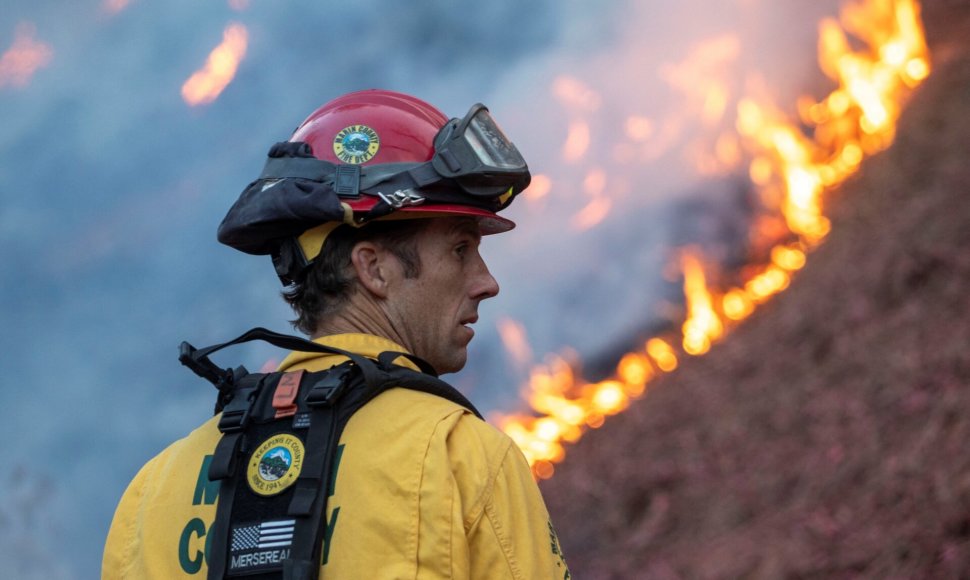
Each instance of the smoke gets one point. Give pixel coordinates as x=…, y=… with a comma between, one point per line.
x=111, y=188
x=626, y=125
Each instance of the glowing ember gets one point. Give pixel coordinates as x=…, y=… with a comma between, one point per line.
x=24, y=58
x=515, y=341
x=539, y=188
x=114, y=6
x=639, y=128
x=574, y=93
x=791, y=168
x=595, y=212
x=577, y=143
x=206, y=84
x=594, y=185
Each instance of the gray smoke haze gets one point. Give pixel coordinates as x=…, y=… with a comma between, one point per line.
x=111, y=188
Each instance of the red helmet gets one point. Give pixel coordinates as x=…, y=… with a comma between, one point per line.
x=370, y=127
x=370, y=154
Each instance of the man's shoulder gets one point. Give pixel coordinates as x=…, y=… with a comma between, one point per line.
x=190, y=448
x=416, y=414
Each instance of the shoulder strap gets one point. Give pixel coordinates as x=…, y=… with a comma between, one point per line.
x=427, y=380
x=198, y=358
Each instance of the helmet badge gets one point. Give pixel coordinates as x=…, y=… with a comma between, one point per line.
x=356, y=144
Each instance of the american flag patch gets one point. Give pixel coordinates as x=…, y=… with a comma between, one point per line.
x=276, y=534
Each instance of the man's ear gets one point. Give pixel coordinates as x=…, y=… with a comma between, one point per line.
x=371, y=265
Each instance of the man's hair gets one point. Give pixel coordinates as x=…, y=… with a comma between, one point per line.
x=329, y=281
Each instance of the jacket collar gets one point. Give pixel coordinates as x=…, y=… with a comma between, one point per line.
x=367, y=345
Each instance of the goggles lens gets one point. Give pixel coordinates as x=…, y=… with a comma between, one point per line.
x=491, y=145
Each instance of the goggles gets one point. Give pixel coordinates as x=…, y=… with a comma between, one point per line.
x=476, y=154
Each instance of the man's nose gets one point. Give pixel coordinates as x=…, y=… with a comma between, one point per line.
x=485, y=284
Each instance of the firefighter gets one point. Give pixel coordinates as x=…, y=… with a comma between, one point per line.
x=373, y=213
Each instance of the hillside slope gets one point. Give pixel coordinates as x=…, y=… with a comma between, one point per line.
x=829, y=435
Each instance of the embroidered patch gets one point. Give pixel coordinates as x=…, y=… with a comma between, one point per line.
x=275, y=464
x=356, y=144
x=261, y=546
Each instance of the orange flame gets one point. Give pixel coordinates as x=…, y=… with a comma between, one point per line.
x=24, y=57
x=792, y=171
x=569, y=405
x=206, y=84
x=855, y=119
x=703, y=324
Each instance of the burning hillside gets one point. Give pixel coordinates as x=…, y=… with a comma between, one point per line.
x=875, y=54
x=825, y=436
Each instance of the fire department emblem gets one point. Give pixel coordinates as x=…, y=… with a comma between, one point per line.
x=275, y=464
x=356, y=144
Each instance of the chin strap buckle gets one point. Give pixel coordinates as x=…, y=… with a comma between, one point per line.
x=402, y=198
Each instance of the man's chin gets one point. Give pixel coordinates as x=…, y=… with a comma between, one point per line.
x=453, y=364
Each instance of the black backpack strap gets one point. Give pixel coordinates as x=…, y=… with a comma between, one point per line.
x=404, y=377
x=235, y=419
x=333, y=401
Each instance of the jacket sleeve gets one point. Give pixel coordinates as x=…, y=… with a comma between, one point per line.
x=120, y=546
x=514, y=537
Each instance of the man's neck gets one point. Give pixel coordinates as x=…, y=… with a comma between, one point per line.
x=361, y=316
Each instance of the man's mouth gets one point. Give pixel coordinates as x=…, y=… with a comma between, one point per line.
x=467, y=323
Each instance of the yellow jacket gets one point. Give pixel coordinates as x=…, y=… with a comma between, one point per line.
x=424, y=489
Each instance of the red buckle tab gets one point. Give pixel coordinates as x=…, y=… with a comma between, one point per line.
x=284, y=398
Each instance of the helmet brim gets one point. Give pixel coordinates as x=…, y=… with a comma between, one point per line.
x=489, y=223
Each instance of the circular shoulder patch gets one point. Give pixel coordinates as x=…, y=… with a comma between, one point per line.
x=275, y=464
x=356, y=144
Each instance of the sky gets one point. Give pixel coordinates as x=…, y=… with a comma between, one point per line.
x=112, y=186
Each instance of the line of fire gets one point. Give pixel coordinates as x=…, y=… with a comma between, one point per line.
x=875, y=54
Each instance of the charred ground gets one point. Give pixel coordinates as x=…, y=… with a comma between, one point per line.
x=827, y=436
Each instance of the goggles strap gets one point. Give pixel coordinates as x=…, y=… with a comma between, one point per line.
x=298, y=168
x=424, y=175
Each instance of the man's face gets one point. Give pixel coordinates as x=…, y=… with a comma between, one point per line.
x=433, y=312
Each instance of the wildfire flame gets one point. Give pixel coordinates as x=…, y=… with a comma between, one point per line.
x=24, y=57
x=790, y=167
x=703, y=324
x=206, y=84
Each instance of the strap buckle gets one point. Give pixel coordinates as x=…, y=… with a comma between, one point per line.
x=236, y=413
x=402, y=198
x=328, y=390
x=284, y=397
